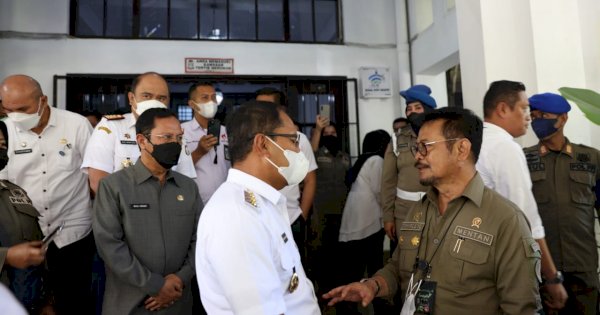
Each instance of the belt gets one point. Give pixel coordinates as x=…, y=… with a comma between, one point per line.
x=409, y=195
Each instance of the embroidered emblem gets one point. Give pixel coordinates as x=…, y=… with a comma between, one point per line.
x=415, y=241
x=250, y=198
x=401, y=239
x=180, y=198
x=108, y=131
x=476, y=222
x=417, y=216
x=127, y=136
x=63, y=141
x=126, y=163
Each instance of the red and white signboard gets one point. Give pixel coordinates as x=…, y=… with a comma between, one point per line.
x=209, y=65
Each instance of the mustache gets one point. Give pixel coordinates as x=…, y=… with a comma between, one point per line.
x=420, y=165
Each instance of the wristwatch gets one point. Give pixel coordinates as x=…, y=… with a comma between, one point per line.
x=558, y=278
x=377, y=286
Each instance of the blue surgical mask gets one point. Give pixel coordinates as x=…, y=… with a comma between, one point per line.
x=544, y=127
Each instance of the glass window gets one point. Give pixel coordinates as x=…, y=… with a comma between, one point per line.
x=301, y=22
x=153, y=18
x=270, y=20
x=242, y=19
x=90, y=18
x=119, y=18
x=184, y=113
x=184, y=19
x=326, y=22
x=213, y=19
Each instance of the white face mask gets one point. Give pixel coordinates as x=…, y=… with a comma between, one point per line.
x=207, y=110
x=297, y=169
x=409, y=307
x=26, y=121
x=146, y=105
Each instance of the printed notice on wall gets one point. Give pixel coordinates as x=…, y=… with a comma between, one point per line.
x=209, y=65
x=375, y=82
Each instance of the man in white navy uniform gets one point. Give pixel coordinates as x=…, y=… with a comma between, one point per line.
x=209, y=153
x=112, y=146
x=246, y=258
x=44, y=159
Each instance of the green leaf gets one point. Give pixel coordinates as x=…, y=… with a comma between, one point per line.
x=587, y=100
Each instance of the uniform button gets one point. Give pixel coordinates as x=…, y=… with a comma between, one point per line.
x=46, y=209
x=43, y=154
x=48, y=225
x=436, y=241
x=39, y=137
x=44, y=190
x=44, y=172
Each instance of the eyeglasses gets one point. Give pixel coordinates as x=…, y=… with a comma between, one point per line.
x=294, y=137
x=168, y=137
x=421, y=147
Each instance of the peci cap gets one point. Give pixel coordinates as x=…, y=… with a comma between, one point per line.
x=419, y=93
x=549, y=103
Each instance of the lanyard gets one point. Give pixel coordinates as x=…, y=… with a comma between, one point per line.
x=425, y=264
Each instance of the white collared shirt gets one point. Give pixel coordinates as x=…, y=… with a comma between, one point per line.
x=47, y=167
x=292, y=193
x=362, y=212
x=503, y=168
x=209, y=176
x=246, y=254
x=113, y=146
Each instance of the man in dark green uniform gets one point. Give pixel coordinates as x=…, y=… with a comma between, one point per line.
x=463, y=248
x=21, y=251
x=400, y=186
x=564, y=175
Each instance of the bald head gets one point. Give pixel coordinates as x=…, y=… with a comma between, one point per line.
x=21, y=93
x=149, y=86
x=21, y=84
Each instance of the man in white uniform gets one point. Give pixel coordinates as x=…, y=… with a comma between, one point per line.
x=503, y=168
x=246, y=259
x=112, y=146
x=209, y=153
x=45, y=153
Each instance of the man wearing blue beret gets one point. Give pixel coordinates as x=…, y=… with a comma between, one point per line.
x=564, y=177
x=400, y=187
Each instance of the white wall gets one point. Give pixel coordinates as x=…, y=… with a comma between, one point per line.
x=373, y=45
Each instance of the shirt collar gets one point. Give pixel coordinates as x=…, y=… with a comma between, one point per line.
x=52, y=121
x=132, y=120
x=566, y=149
x=141, y=173
x=254, y=184
x=473, y=191
x=490, y=127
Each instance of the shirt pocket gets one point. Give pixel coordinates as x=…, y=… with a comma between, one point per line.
x=581, y=187
x=470, y=260
x=539, y=189
x=408, y=245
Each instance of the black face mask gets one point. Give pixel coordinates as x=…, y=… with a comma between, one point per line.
x=166, y=154
x=3, y=158
x=416, y=121
x=332, y=144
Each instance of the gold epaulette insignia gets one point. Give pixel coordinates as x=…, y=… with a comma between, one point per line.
x=250, y=198
x=105, y=129
x=114, y=117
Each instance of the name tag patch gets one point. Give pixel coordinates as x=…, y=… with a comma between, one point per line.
x=586, y=167
x=23, y=151
x=537, y=167
x=402, y=145
x=412, y=226
x=474, y=235
x=139, y=206
x=129, y=142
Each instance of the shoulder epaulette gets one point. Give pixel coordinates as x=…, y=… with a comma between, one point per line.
x=114, y=117
x=250, y=198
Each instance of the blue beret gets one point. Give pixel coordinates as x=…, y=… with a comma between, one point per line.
x=419, y=93
x=549, y=103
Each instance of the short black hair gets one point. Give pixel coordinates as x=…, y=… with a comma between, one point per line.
x=459, y=123
x=139, y=78
x=400, y=119
x=280, y=97
x=96, y=114
x=145, y=123
x=193, y=87
x=245, y=122
x=501, y=91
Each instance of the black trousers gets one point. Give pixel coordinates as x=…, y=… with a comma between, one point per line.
x=70, y=276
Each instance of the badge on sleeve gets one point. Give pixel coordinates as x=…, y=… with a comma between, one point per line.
x=294, y=281
x=105, y=129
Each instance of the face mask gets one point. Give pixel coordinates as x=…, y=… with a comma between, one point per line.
x=544, y=127
x=146, y=105
x=3, y=158
x=416, y=121
x=206, y=110
x=409, y=308
x=166, y=154
x=331, y=143
x=297, y=169
x=25, y=121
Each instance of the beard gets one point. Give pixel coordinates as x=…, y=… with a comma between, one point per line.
x=427, y=181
